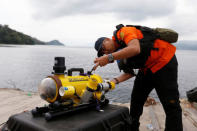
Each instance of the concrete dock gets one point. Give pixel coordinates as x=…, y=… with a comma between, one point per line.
x=14, y=101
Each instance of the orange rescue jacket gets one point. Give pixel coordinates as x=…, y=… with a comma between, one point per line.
x=157, y=58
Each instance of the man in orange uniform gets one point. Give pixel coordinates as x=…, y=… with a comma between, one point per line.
x=157, y=66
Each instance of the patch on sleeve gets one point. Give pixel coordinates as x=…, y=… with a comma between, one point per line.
x=121, y=35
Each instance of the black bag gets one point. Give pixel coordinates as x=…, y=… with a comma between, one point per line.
x=192, y=95
x=146, y=44
x=165, y=34
x=114, y=118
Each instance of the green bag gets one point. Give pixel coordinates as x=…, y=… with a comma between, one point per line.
x=168, y=35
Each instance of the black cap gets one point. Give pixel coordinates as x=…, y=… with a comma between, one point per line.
x=98, y=46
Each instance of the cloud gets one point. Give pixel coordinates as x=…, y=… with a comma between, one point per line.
x=136, y=10
x=184, y=19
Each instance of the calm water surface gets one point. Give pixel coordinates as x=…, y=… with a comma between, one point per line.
x=24, y=67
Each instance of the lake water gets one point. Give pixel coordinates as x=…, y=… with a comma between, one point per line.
x=24, y=67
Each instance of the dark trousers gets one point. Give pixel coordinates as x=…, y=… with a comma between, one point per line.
x=165, y=83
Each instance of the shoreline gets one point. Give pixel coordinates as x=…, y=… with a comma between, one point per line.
x=15, y=101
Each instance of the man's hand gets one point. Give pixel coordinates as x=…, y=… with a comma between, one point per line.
x=101, y=61
x=114, y=81
x=95, y=67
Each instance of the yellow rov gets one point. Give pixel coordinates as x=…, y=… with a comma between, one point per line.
x=68, y=93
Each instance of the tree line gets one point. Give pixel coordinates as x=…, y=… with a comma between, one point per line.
x=10, y=36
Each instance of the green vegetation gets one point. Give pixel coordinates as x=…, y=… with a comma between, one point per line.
x=10, y=36
x=55, y=42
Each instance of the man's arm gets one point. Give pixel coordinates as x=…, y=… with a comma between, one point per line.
x=132, y=49
x=122, y=77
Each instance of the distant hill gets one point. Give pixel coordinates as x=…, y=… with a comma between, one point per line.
x=186, y=45
x=54, y=42
x=10, y=36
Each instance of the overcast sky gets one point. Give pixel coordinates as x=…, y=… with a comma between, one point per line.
x=81, y=22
